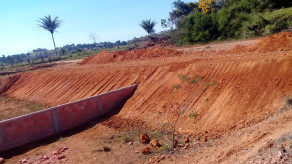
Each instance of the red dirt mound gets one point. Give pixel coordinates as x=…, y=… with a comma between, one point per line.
x=144, y=53
x=7, y=82
x=278, y=42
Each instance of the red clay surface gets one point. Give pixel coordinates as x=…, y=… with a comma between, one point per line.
x=141, y=54
x=249, y=84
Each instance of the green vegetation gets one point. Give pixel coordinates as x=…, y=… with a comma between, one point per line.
x=187, y=83
x=9, y=99
x=183, y=78
x=189, y=23
x=230, y=19
x=213, y=83
x=68, y=52
x=61, y=139
x=193, y=114
x=125, y=136
x=14, y=107
x=181, y=9
x=164, y=148
x=148, y=25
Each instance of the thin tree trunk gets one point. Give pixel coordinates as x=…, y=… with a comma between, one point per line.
x=54, y=44
x=178, y=116
x=189, y=97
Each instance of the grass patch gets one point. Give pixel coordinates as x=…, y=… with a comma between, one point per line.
x=207, y=99
x=176, y=86
x=124, y=137
x=164, y=148
x=13, y=108
x=193, y=114
x=9, y=99
x=61, y=139
x=213, y=83
x=156, y=134
x=160, y=134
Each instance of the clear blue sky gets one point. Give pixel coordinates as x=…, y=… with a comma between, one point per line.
x=112, y=20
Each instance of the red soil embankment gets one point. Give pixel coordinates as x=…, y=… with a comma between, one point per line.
x=7, y=82
x=141, y=54
x=249, y=87
x=278, y=42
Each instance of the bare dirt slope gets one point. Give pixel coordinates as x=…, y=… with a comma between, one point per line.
x=239, y=88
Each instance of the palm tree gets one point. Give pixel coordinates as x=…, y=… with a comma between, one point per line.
x=51, y=25
x=148, y=25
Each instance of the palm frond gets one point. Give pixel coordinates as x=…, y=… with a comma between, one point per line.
x=48, y=24
x=148, y=25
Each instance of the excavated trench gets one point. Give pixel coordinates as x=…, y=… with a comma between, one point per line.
x=238, y=87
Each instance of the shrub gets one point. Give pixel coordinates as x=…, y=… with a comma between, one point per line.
x=176, y=86
x=193, y=114
x=199, y=27
x=213, y=83
x=267, y=23
x=164, y=148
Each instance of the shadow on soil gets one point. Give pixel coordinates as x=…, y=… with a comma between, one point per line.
x=68, y=133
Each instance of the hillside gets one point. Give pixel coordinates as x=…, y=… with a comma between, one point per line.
x=248, y=87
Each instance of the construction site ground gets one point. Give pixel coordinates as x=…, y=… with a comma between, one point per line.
x=237, y=110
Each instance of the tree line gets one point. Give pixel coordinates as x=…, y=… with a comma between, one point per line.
x=208, y=20
x=44, y=55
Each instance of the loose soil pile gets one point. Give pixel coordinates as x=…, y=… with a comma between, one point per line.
x=7, y=82
x=141, y=54
x=278, y=42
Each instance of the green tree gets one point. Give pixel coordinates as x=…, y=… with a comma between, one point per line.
x=11, y=60
x=51, y=25
x=181, y=9
x=118, y=43
x=63, y=51
x=198, y=27
x=3, y=61
x=165, y=23
x=28, y=58
x=148, y=25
